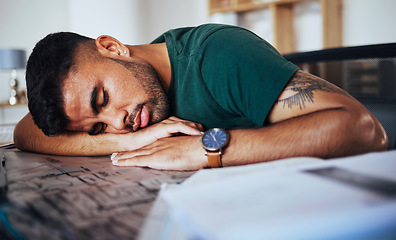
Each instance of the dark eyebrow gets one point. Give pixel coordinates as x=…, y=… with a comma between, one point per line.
x=94, y=95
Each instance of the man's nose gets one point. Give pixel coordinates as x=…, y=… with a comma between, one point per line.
x=116, y=119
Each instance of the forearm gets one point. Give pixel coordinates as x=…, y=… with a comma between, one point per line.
x=28, y=137
x=325, y=134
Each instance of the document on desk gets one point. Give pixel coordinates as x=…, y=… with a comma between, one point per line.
x=350, y=198
x=59, y=197
x=6, y=134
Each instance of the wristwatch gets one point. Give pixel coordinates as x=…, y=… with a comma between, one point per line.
x=213, y=141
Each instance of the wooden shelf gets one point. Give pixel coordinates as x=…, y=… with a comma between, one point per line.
x=283, y=19
x=221, y=6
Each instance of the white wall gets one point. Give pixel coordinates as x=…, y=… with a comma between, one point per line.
x=118, y=18
x=162, y=15
x=23, y=23
x=369, y=22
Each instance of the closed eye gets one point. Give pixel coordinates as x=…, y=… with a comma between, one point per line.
x=105, y=98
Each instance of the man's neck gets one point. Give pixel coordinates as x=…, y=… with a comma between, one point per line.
x=157, y=56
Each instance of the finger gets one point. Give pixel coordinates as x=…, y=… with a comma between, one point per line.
x=129, y=163
x=114, y=156
x=170, y=129
x=200, y=127
x=149, y=161
x=125, y=155
x=138, y=161
x=195, y=125
x=156, y=162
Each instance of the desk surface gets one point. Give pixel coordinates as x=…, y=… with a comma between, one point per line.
x=57, y=197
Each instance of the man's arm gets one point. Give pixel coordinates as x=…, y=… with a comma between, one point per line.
x=310, y=118
x=28, y=137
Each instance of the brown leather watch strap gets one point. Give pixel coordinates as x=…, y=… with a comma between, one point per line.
x=214, y=159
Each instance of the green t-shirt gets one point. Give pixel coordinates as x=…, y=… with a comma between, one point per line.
x=223, y=76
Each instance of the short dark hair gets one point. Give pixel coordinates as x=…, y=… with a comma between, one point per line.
x=49, y=64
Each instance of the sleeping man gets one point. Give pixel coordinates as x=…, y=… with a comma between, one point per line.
x=150, y=104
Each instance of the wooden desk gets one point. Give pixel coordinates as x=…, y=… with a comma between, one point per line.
x=57, y=197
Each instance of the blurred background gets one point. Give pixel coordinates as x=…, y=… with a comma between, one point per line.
x=24, y=22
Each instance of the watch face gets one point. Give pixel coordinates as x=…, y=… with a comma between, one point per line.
x=214, y=139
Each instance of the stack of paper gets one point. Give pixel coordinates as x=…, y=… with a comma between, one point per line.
x=301, y=198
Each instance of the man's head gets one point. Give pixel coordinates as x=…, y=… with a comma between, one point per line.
x=81, y=84
x=49, y=63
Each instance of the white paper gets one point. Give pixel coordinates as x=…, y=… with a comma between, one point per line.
x=285, y=204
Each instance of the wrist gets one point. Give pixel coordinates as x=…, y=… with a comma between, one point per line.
x=214, y=141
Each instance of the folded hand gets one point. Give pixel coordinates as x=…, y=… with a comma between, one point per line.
x=173, y=153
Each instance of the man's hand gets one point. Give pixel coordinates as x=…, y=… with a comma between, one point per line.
x=173, y=153
x=166, y=128
x=158, y=147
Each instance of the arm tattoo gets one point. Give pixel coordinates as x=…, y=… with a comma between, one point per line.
x=303, y=86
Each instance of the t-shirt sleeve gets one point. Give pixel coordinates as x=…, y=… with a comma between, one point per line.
x=243, y=72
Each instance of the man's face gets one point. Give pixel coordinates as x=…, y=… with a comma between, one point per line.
x=113, y=96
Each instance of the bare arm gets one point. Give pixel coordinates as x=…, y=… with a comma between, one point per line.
x=28, y=137
x=311, y=118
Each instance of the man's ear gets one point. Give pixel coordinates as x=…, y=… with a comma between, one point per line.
x=111, y=47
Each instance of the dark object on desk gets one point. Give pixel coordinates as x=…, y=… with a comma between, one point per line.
x=7, y=146
x=368, y=73
x=3, y=177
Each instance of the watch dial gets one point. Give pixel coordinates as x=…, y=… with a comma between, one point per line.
x=214, y=139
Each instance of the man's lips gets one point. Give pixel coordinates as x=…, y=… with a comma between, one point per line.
x=142, y=118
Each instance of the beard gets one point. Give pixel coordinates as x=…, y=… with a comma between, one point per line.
x=148, y=79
